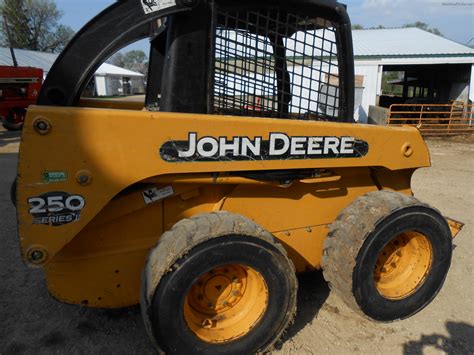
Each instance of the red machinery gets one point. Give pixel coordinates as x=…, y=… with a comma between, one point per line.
x=19, y=88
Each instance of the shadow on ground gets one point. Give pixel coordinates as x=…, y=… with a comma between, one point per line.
x=9, y=137
x=122, y=330
x=313, y=291
x=460, y=341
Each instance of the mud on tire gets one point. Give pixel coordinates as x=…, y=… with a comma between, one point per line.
x=223, y=261
x=387, y=255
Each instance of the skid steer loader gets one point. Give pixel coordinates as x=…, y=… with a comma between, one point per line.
x=242, y=168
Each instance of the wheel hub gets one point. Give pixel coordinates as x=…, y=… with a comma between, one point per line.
x=403, y=265
x=225, y=303
x=218, y=290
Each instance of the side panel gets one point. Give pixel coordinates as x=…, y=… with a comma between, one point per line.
x=98, y=153
x=299, y=215
x=102, y=265
x=78, y=207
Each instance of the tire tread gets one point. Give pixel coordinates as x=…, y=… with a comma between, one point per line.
x=348, y=233
x=190, y=232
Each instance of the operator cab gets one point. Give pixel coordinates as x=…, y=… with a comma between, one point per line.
x=277, y=59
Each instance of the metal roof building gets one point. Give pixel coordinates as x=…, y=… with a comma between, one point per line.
x=109, y=80
x=443, y=70
x=405, y=42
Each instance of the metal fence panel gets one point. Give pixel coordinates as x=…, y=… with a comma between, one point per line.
x=434, y=119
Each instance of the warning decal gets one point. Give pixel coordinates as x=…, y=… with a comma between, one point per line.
x=150, y=6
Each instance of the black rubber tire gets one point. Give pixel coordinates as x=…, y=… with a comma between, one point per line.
x=12, y=127
x=358, y=236
x=197, y=245
x=9, y=121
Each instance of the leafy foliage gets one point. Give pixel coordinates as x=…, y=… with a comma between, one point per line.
x=34, y=25
x=425, y=27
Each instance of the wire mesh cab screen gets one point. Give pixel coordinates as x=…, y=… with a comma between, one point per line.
x=274, y=63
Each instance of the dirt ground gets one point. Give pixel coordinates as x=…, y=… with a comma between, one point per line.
x=32, y=322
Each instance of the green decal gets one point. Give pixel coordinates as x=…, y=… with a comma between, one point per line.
x=54, y=176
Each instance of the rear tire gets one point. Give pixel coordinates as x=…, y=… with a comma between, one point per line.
x=217, y=283
x=387, y=255
x=15, y=119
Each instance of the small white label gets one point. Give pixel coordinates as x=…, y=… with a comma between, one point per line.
x=155, y=194
x=150, y=6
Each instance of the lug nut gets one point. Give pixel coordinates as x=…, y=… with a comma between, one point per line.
x=206, y=323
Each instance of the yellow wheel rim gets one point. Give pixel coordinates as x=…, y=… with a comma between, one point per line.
x=226, y=303
x=403, y=265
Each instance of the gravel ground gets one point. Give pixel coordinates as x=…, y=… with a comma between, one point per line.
x=32, y=322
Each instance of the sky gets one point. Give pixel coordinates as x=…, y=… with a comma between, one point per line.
x=454, y=18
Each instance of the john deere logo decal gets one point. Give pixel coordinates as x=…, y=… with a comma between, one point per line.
x=278, y=146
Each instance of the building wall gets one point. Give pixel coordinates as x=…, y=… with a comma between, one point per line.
x=113, y=85
x=458, y=87
x=100, y=85
x=138, y=86
x=471, y=86
x=371, y=88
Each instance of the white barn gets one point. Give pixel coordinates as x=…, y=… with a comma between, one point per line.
x=436, y=64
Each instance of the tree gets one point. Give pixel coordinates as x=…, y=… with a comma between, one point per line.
x=135, y=60
x=425, y=27
x=34, y=25
x=360, y=27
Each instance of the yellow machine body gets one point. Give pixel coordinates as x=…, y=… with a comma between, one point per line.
x=111, y=157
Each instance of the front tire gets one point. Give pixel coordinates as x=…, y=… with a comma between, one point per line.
x=387, y=255
x=217, y=283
